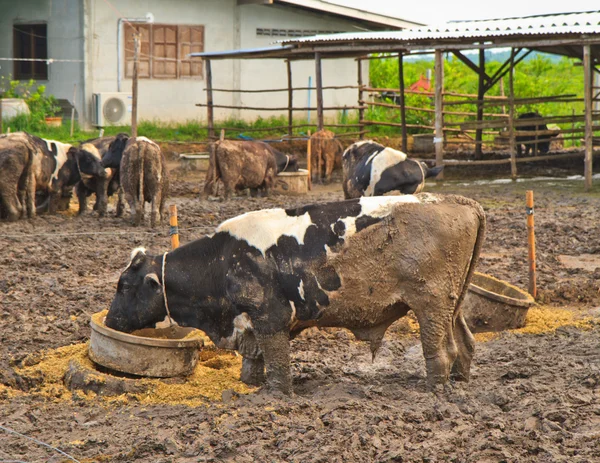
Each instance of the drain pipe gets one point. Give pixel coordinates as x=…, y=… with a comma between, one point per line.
x=149, y=19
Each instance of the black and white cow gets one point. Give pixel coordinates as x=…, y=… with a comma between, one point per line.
x=359, y=264
x=371, y=169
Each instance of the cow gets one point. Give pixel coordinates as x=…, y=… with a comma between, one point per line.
x=35, y=164
x=284, y=162
x=326, y=155
x=359, y=264
x=241, y=165
x=530, y=142
x=144, y=178
x=371, y=169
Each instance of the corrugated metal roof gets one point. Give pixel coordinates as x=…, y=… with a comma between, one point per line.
x=559, y=24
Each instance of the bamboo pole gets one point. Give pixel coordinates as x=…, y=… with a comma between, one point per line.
x=209, y=100
x=402, y=102
x=134, y=84
x=439, y=117
x=361, y=102
x=587, y=86
x=222, y=136
x=290, y=97
x=173, y=229
x=511, y=118
x=309, y=161
x=531, y=244
x=319, y=83
x=480, y=97
x=271, y=90
x=73, y=108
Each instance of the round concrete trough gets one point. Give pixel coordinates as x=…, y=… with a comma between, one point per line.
x=495, y=305
x=158, y=353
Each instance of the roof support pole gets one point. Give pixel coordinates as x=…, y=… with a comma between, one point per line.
x=402, y=102
x=361, y=101
x=290, y=98
x=480, y=96
x=209, y=101
x=439, y=116
x=511, y=116
x=319, y=82
x=587, y=97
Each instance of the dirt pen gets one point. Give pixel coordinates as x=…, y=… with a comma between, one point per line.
x=534, y=394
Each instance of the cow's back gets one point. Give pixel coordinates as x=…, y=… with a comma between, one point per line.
x=138, y=154
x=244, y=164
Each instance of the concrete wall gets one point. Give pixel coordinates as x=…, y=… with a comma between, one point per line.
x=260, y=74
x=65, y=41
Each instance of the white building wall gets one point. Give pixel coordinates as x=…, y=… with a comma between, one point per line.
x=261, y=74
x=65, y=42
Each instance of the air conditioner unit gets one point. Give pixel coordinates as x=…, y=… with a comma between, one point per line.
x=112, y=108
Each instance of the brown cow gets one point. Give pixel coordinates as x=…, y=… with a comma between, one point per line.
x=240, y=165
x=144, y=178
x=326, y=155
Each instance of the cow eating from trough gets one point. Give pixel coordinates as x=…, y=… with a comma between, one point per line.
x=245, y=164
x=371, y=169
x=359, y=264
x=533, y=143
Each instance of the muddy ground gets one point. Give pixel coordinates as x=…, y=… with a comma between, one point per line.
x=532, y=398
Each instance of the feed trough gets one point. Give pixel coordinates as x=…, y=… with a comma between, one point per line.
x=495, y=305
x=292, y=183
x=158, y=353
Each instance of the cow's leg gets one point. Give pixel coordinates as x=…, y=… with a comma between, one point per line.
x=101, y=197
x=81, y=193
x=209, y=184
x=436, y=338
x=120, y=202
x=155, y=209
x=132, y=207
x=276, y=353
x=253, y=371
x=10, y=202
x=30, y=194
x=329, y=160
x=461, y=370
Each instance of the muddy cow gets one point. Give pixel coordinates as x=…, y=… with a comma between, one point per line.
x=241, y=165
x=326, y=155
x=284, y=162
x=144, y=178
x=529, y=141
x=359, y=264
x=371, y=169
x=32, y=165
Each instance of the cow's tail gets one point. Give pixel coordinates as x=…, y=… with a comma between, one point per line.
x=141, y=154
x=476, y=251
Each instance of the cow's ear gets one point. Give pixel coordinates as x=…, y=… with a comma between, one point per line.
x=138, y=256
x=152, y=280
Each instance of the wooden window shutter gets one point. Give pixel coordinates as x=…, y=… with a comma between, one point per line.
x=144, y=67
x=191, y=40
x=164, y=53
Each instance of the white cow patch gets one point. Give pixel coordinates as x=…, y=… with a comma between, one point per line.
x=92, y=150
x=147, y=140
x=133, y=254
x=241, y=323
x=301, y=290
x=383, y=160
x=61, y=156
x=262, y=229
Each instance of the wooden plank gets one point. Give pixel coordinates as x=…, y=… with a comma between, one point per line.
x=397, y=124
x=511, y=117
x=209, y=100
x=439, y=116
x=270, y=90
x=587, y=93
x=402, y=102
x=480, y=97
x=319, y=83
x=284, y=108
x=499, y=101
x=507, y=160
x=290, y=97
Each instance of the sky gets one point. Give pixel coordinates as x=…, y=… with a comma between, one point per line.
x=439, y=11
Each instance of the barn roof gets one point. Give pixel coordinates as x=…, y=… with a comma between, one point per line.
x=562, y=34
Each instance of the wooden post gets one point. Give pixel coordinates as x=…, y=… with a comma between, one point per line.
x=73, y=108
x=587, y=97
x=480, y=96
x=1, y=127
x=222, y=136
x=531, y=244
x=319, y=81
x=511, y=117
x=439, y=116
x=134, y=84
x=309, y=161
x=173, y=229
x=361, y=101
x=402, y=102
x=209, y=101
x=290, y=99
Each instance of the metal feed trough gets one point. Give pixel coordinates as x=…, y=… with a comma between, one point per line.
x=495, y=305
x=158, y=353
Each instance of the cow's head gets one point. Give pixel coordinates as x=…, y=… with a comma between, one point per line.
x=287, y=163
x=114, y=154
x=138, y=302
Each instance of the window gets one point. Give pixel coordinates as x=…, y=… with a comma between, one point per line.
x=30, y=41
x=163, y=51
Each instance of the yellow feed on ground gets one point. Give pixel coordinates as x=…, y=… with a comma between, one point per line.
x=544, y=319
x=215, y=372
